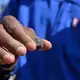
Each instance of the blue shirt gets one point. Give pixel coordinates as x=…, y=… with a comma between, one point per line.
x=52, y=20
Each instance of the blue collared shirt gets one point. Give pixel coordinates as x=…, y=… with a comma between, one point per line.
x=51, y=19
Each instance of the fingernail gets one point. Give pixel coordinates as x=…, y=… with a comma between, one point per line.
x=21, y=51
x=31, y=46
x=9, y=59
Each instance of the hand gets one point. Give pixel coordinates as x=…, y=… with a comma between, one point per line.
x=15, y=40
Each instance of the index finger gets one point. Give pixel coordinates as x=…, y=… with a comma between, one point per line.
x=46, y=45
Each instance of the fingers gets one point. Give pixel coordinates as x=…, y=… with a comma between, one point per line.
x=14, y=28
x=27, y=36
x=75, y=22
x=11, y=44
x=30, y=32
x=6, y=57
x=40, y=43
x=46, y=45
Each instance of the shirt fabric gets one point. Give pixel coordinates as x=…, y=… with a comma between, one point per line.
x=52, y=20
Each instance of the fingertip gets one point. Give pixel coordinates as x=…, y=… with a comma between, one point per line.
x=8, y=59
x=21, y=51
x=31, y=46
x=46, y=45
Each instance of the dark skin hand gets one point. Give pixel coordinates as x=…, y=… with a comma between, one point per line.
x=15, y=40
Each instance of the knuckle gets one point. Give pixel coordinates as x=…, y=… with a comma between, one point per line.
x=30, y=32
x=30, y=29
x=8, y=26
